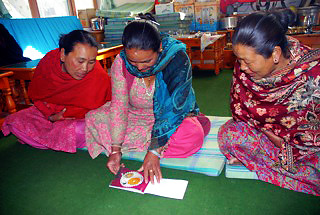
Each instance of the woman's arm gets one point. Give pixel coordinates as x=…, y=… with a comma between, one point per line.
x=276, y=140
x=48, y=109
x=118, y=114
x=119, y=102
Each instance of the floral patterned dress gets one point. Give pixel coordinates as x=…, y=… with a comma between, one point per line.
x=136, y=116
x=287, y=104
x=128, y=120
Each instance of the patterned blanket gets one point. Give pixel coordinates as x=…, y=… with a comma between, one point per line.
x=208, y=160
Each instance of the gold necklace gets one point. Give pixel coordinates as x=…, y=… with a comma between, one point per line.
x=148, y=90
x=149, y=80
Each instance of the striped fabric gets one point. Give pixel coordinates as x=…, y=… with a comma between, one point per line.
x=208, y=160
x=239, y=171
x=127, y=10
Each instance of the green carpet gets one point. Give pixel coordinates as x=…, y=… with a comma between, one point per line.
x=34, y=181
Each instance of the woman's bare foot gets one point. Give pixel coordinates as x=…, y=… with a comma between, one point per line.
x=234, y=161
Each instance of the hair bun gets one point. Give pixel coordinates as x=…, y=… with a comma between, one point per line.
x=147, y=16
x=286, y=17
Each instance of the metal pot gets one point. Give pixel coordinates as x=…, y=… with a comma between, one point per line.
x=97, y=24
x=229, y=22
x=308, y=16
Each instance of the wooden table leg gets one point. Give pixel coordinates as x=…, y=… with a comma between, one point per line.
x=216, y=58
x=15, y=94
x=24, y=92
x=9, y=101
x=5, y=87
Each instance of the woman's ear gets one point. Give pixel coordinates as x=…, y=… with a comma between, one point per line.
x=62, y=55
x=276, y=54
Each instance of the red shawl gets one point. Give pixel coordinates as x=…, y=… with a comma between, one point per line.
x=287, y=103
x=52, y=90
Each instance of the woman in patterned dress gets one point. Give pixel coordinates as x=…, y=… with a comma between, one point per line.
x=275, y=103
x=153, y=106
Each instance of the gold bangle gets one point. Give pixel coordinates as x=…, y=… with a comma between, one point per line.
x=115, y=152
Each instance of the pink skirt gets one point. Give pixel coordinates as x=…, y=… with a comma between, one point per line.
x=187, y=139
x=32, y=128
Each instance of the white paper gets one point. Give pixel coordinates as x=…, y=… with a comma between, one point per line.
x=170, y=188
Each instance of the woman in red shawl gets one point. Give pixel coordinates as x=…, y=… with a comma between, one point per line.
x=275, y=104
x=67, y=83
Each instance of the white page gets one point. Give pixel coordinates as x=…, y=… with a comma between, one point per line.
x=171, y=188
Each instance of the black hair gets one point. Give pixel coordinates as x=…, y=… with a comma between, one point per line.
x=142, y=34
x=265, y=30
x=68, y=41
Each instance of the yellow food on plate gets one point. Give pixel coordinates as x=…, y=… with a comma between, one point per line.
x=133, y=181
x=129, y=175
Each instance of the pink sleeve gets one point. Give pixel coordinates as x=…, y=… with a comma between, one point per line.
x=119, y=102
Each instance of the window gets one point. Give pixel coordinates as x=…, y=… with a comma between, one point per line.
x=83, y=4
x=18, y=8
x=49, y=8
x=46, y=8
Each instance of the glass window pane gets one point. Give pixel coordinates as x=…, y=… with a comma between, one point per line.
x=18, y=8
x=83, y=4
x=49, y=8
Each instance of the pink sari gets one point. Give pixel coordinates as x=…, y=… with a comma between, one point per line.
x=32, y=128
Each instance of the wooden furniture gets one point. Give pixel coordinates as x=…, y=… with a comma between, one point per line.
x=229, y=58
x=97, y=34
x=312, y=40
x=210, y=58
x=9, y=106
x=22, y=72
x=106, y=56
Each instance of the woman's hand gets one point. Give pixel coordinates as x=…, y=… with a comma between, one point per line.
x=58, y=116
x=151, y=167
x=276, y=140
x=113, y=163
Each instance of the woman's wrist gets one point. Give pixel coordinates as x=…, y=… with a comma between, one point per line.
x=155, y=152
x=115, y=149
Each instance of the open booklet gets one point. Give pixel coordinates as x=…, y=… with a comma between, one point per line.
x=133, y=181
